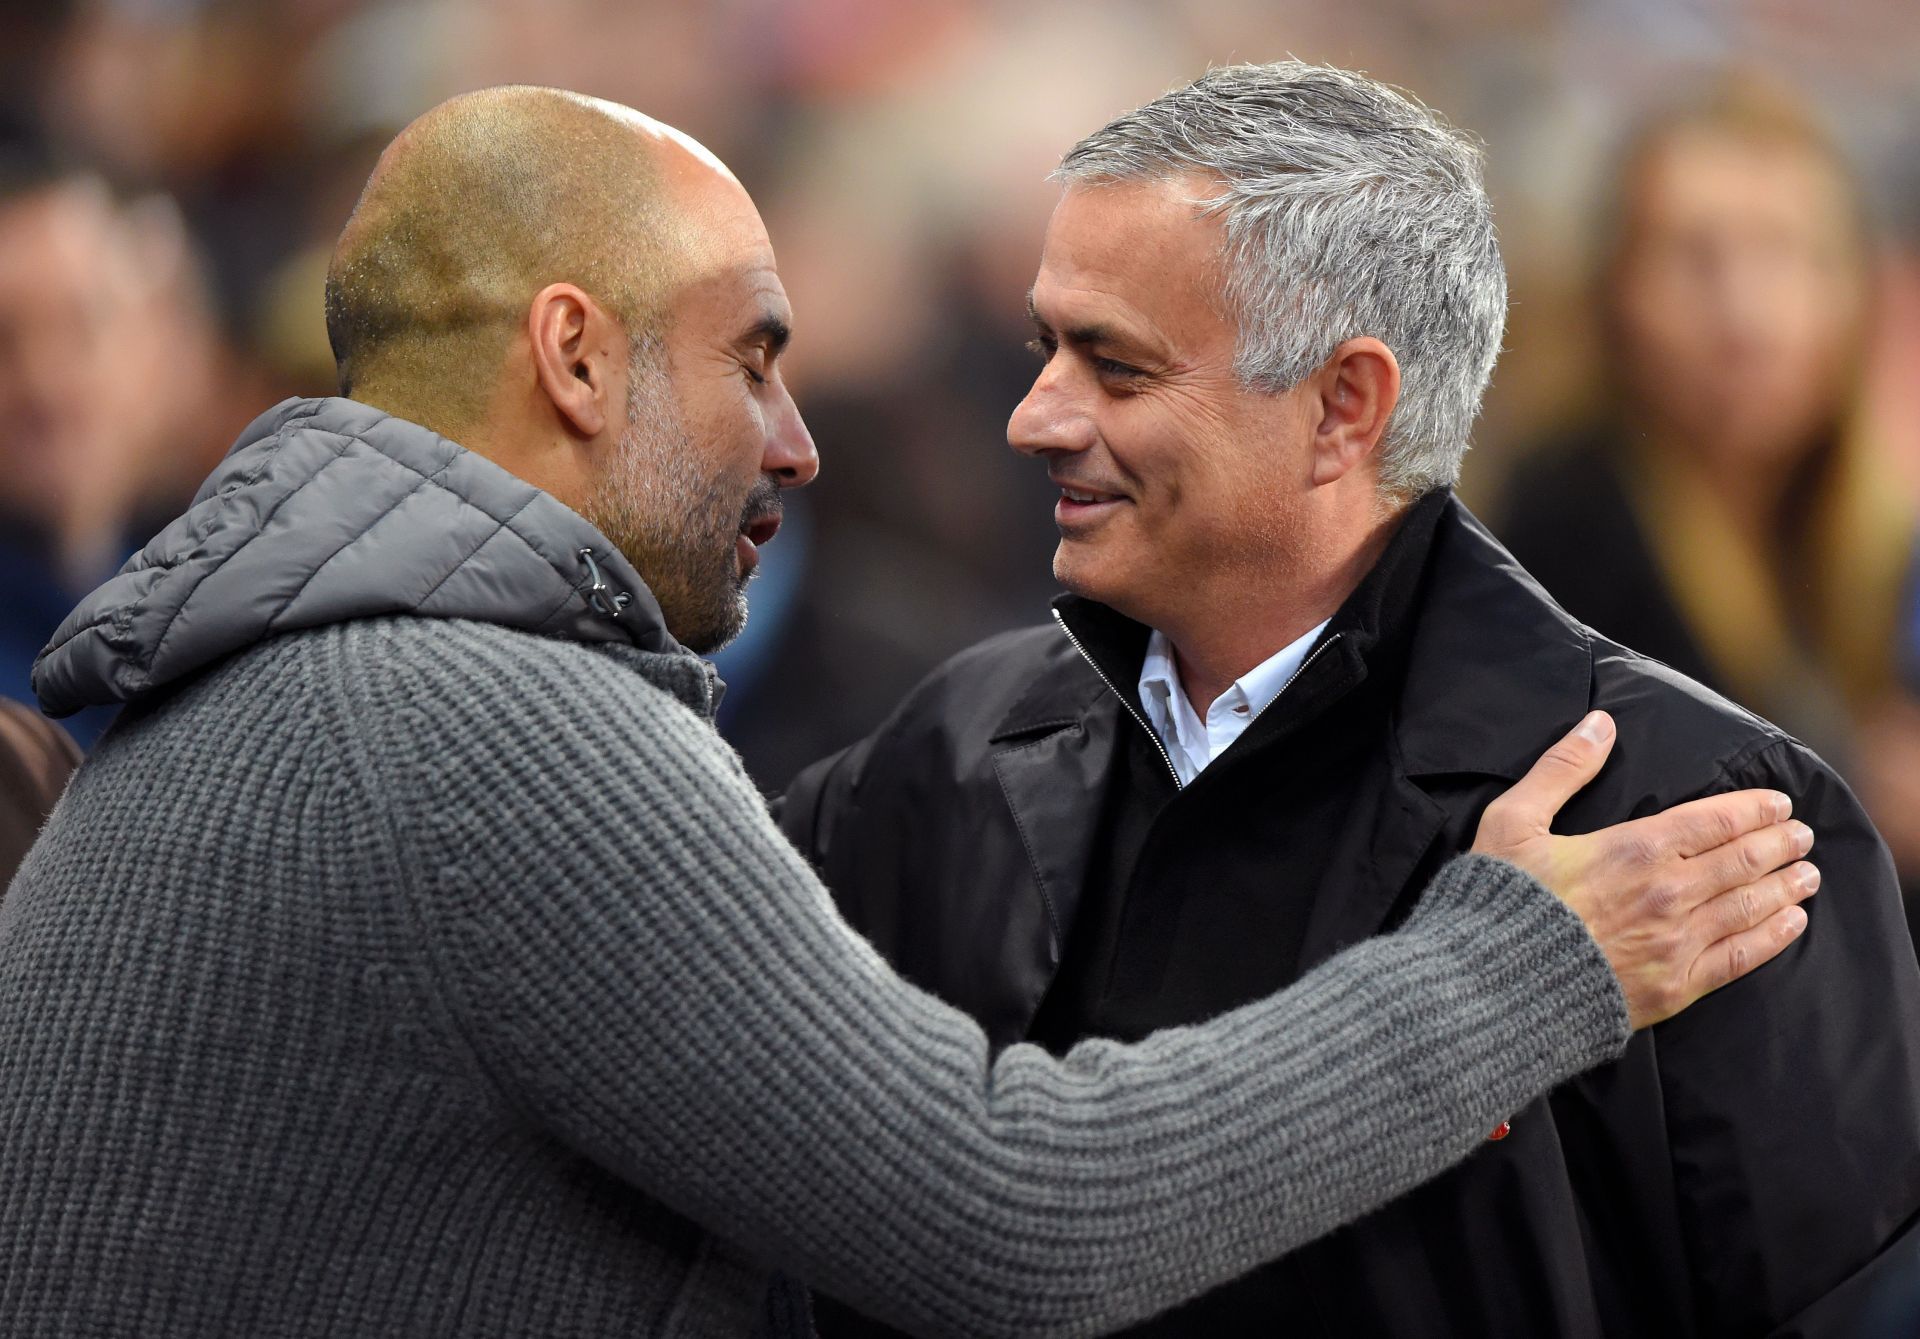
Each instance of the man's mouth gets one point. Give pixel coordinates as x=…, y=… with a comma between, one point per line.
x=752, y=535
x=1080, y=505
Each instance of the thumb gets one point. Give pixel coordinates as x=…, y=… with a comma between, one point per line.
x=1529, y=807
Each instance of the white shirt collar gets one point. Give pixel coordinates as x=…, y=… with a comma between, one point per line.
x=1193, y=743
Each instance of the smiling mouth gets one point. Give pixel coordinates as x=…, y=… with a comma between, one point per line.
x=1083, y=495
x=1079, y=506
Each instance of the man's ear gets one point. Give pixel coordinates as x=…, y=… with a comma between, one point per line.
x=1359, y=386
x=573, y=340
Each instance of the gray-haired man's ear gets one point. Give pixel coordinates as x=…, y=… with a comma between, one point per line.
x=1359, y=387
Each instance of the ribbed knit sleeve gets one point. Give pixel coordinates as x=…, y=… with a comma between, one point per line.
x=653, y=974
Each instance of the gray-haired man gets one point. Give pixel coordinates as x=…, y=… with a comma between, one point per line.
x=1293, y=669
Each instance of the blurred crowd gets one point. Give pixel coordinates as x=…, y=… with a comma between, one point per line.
x=1704, y=436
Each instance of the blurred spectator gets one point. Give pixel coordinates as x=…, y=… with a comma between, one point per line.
x=102, y=363
x=36, y=758
x=1725, y=512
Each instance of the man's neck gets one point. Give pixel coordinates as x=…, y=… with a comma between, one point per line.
x=1220, y=644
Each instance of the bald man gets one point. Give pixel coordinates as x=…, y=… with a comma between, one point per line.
x=412, y=959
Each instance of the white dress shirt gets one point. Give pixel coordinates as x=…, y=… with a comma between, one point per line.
x=1192, y=743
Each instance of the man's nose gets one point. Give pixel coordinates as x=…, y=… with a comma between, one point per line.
x=1051, y=417
x=790, y=455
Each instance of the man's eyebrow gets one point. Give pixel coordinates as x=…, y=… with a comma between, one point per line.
x=1088, y=332
x=771, y=329
x=1102, y=335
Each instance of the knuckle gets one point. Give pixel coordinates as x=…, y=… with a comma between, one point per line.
x=1643, y=848
x=1738, y=960
x=1784, y=888
x=1722, y=825
x=1781, y=850
x=1663, y=899
x=1564, y=754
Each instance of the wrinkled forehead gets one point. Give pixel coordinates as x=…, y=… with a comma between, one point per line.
x=1141, y=250
x=727, y=285
x=723, y=243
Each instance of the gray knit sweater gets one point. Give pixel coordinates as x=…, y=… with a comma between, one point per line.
x=412, y=959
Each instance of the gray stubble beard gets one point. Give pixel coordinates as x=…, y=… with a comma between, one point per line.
x=672, y=517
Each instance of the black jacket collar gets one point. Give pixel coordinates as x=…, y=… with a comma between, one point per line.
x=1494, y=670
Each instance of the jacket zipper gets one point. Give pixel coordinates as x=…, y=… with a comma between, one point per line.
x=1312, y=656
x=1154, y=734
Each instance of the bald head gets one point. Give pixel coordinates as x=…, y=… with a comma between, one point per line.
x=589, y=299
x=477, y=206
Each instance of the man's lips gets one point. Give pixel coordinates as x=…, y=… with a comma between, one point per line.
x=753, y=534
x=1083, y=505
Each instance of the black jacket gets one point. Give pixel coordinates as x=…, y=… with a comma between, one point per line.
x=1750, y=1167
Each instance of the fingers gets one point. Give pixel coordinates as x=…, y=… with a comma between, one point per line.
x=1741, y=929
x=1530, y=804
x=1701, y=825
x=1741, y=909
x=1747, y=858
x=1736, y=955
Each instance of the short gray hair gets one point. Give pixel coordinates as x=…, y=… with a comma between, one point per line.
x=1349, y=209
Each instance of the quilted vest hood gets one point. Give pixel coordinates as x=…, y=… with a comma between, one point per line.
x=328, y=510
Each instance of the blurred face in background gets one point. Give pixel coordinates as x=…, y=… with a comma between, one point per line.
x=1739, y=295
x=107, y=356
x=57, y=327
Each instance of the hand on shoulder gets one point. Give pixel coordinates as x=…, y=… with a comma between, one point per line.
x=1681, y=902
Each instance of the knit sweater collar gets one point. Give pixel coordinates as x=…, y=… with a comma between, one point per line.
x=327, y=510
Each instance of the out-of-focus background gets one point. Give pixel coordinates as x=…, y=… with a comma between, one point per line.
x=1704, y=434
